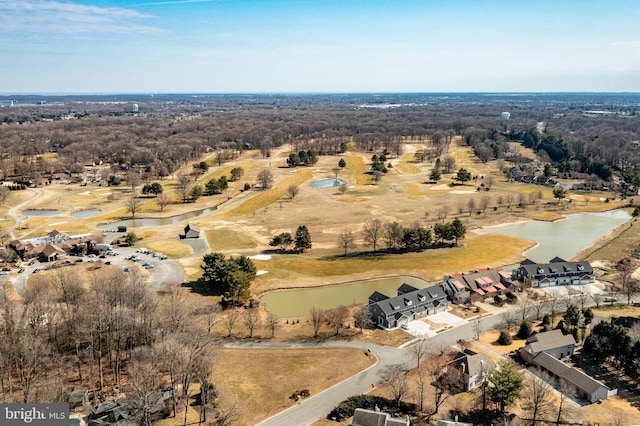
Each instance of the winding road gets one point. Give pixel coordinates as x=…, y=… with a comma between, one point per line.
x=14, y=212
x=316, y=407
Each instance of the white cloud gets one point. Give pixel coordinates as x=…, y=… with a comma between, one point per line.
x=56, y=17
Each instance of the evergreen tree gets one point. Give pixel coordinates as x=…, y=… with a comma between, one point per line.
x=506, y=385
x=303, y=239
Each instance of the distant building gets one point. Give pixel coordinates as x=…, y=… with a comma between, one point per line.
x=505, y=115
x=190, y=231
x=134, y=108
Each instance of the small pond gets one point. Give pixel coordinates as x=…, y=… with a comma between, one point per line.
x=296, y=303
x=564, y=238
x=83, y=214
x=159, y=221
x=327, y=183
x=32, y=212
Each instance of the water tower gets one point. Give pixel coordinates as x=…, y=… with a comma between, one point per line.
x=505, y=115
x=134, y=108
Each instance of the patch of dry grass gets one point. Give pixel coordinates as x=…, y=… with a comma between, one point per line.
x=171, y=247
x=429, y=265
x=254, y=376
x=263, y=199
x=357, y=170
x=229, y=239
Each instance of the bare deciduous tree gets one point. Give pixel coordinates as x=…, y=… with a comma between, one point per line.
x=162, y=200
x=372, y=232
x=395, y=378
x=265, y=178
x=133, y=205
x=292, y=191
x=419, y=350
x=537, y=397
x=251, y=320
x=347, y=240
x=230, y=320
x=317, y=317
x=337, y=317
x=273, y=324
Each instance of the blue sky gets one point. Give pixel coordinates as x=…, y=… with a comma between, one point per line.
x=231, y=46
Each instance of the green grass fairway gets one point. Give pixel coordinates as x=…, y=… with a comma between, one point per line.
x=228, y=239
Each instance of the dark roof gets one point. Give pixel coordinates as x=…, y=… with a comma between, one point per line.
x=557, y=260
x=405, y=288
x=191, y=227
x=543, y=269
x=576, y=377
x=527, y=262
x=376, y=296
x=413, y=300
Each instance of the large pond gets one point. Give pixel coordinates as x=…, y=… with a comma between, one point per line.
x=327, y=183
x=159, y=221
x=296, y=303
x=32, y=212
x=83, y=214
x=564, y=238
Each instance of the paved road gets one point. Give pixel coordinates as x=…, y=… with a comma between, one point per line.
x=14, y=212
x=318, y=406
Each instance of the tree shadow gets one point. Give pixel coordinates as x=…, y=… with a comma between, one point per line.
x=201, y=288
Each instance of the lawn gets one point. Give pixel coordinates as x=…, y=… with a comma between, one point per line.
x=229, y=239
x=429, y=265
x=172, y=247
x=262, y=199
x=254, y=377
x=357, y=170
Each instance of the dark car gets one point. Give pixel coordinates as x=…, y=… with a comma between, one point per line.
x=21, y=270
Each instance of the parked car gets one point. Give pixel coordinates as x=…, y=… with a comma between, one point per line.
x=21, y=270
x=610, y=299
x=6, y=269
x=404, y=327
x=4, y=272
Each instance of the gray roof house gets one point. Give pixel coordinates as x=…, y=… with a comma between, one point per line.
x=557, y=272
x=362, y=417
x=586, y=386
x=191, y=231
x=390, y=312
x=475, y=367
x=554, y=343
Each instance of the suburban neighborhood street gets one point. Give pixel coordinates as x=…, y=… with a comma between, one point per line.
x=318, y=406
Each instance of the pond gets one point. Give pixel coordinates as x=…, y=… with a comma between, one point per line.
x=296, y=303
x=159, y=221
x=32, y=212
x=83, y=214
x=327, y=183
x=564, y=238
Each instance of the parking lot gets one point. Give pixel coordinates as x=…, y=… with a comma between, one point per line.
x=160, y=271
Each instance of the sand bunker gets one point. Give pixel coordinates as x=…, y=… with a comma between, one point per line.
x=261, y=257
x=261, y=272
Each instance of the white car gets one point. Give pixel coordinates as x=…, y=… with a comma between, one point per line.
x=404, y=327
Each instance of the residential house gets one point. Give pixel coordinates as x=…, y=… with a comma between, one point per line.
x=557, y=272
x=190, y=231
x=554, y=343
x=362, y=417
x=390, y=312
x=474, y=367
x=477, y=285
x=586, y=386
